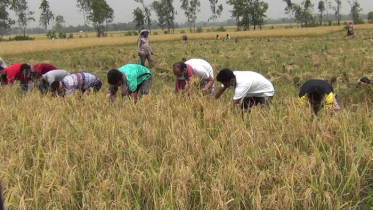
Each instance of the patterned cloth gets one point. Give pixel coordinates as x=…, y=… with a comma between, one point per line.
x=81, y=81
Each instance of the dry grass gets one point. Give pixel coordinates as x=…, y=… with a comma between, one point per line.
x=169, y=152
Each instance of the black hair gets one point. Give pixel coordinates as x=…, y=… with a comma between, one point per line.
x=180, y=65
x=1, y=68
x=225, y=75
x=24, y=66
x=316, y=93
x=55, y=85
x=114, y=76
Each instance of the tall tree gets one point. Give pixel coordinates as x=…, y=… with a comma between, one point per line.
x=84, y=7
x=5, y=21
x=321, y=8
x=355, y=11
x=100, y=13
x=24, y=15
x=302, y=13
x=191, y=7
x=146, y=11
x=216, y=10
x=337, y=11
x=138, y=18
x=59, y=23
x=370, y=17
x=165, y=12
x=248, y=12
x=46, y=15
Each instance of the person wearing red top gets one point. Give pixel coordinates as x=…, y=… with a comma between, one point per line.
x=43, y=68
x=16, y=72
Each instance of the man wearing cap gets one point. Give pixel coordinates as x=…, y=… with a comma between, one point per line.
x=143, y=48
x=318, y=94
x=78, y=81
x=135, y=80
x=199, y=68
x=250, y=87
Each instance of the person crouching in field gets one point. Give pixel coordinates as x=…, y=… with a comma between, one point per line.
x=250, y=86
x=44, y=83
x=15, y=72
x=135, y=80
x=318, y=94
x=78, y=81
x=143, y=48
x=184, y=71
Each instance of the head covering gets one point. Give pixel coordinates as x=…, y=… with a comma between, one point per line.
x=143, y=31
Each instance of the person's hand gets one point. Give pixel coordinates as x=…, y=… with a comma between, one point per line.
x=152, y=53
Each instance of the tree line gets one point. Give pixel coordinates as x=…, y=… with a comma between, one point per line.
x=248, y=14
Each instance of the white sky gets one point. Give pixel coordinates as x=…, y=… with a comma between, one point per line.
x=123, y=9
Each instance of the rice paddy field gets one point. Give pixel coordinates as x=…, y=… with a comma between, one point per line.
x=174, y=152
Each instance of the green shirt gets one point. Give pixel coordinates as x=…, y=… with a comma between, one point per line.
x=136, y=74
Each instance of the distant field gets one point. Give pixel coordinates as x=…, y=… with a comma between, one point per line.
x=41, y=45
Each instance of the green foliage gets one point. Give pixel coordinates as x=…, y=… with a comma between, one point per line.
x=155, y=33
x=249, y=13
x=62, y=35
x=165, y=12
x=71, y=36
x=355, y=12
x=220, y=29
x=216, y=10
x=191, y=8
x=21, y=38
x=182, y=31
x=51, y=34
x=322, y=9
x=100, y=13
x=139, y=18
x=46, y=15
x=59, y=23
x=337, y=11
x=199, y=30
x=24, y=15
x=370, y=17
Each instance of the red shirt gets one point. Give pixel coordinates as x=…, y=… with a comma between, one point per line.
x=43, y=68
x=13, y=73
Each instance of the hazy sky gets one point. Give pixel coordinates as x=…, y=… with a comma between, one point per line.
x=123, y=9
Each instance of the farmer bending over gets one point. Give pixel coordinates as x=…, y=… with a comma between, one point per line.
x=135, y=80
x=250, y=86
x=79, y=81
x=318, y=94
x=184, y=71
x=47, y=79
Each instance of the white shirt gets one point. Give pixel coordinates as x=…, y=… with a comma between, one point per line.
x=201, y=68
x=252, y=84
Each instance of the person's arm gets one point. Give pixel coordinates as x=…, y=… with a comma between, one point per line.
x=220, y=92
x=112, y=93
x=210, y=83
x=235, y=102
x=134, y=96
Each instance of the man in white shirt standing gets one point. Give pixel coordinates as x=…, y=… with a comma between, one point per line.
x=184, y=71
x=250, y=86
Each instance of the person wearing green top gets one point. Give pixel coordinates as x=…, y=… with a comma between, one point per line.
x=135, y=80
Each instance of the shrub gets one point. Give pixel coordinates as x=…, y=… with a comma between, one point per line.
x=155, y=33
x=135, y=33
x=199, y=30
x=21, y=38
x=51, y=34
x=165, y=32
x=71, y=35
x=62, y=35
x=182, y=32
x=128, y=33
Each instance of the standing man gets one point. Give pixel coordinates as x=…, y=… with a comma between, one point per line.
x=47, y=79
x=250, y=86
x=184, y=71
x=143, y=48
x=135, y=80
x=317, y=94
x=79, y=81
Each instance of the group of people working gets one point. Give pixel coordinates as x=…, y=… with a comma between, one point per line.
x=135, y=81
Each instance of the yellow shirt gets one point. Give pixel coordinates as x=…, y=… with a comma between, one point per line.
x=328, y=100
